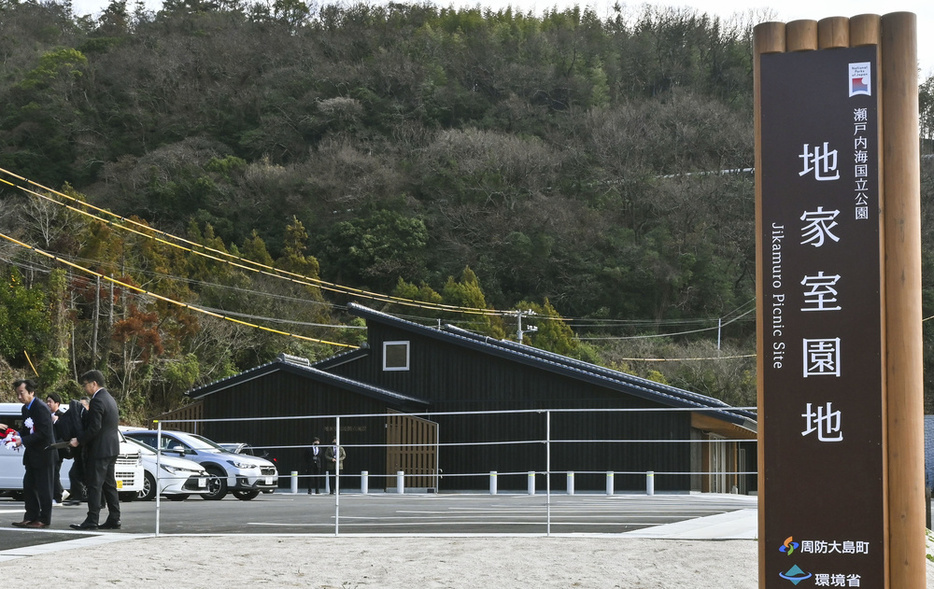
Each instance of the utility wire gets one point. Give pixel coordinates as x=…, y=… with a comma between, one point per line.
x=148, y=232
x=228, y=316
x=167, y=299
x=685, y=359
x=688, y=332
x=238, y=261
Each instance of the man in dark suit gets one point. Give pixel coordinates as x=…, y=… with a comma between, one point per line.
x=35, y=436
x=54, y=402
x=101, y=442
x=313, y=465
x=74, y=424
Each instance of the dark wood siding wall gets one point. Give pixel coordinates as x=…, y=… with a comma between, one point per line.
x=283, y=394
x=192, y=411
x=455, y=378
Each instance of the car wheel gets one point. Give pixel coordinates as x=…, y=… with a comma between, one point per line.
x=127, y=496
x=217, y=484
x=148, y=492
x=245, y=495
x=178, y=497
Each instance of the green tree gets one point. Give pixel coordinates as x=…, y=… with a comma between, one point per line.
x=926, y=112
x=376, y=249
x=294, y=259
x=42, y=114
x=54, y=366
x=468, y=293
x=553, y=333
x=24, y=318
x=254, y=248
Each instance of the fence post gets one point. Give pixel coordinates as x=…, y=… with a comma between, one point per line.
x=610, y=487
x=531, y=482
x=548, y=473
x=400, y=482
x=337, y=478
x=364, y=482
x=650, y=482
x=493, y=488
x=570, y=482
x=294, y=482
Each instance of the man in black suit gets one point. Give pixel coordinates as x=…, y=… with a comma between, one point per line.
x=35, y=437
x=313, y=465
x=54, y=403
x=73, y=423
x=101, y=442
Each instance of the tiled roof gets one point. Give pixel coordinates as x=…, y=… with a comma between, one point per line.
x=302, y=367
x=584, y=371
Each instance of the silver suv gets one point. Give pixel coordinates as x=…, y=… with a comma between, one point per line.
x=244, y=476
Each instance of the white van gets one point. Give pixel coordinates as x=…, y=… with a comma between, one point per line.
x=129, y=468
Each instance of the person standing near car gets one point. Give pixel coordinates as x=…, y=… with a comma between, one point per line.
x=35, y=437
x=313, y=465
x=101, y=443
x=70, y=425
x=54, y=403
x=334, y=457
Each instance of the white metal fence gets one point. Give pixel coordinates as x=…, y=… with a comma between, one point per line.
x=528, y=481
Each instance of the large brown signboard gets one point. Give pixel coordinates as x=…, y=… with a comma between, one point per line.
x=822, y=342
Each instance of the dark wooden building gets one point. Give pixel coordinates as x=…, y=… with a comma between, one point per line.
x=692, y=442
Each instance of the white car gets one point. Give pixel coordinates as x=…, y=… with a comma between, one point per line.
x=178, y=478
x=129, y=467
x=244, y=476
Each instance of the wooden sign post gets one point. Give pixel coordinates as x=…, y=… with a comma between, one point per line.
x=841, y=437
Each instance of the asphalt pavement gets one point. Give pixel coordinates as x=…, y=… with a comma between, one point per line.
x=681, y=516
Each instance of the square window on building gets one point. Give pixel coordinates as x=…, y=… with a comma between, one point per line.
x=395, y=355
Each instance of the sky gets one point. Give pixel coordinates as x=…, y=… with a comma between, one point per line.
x=783, y=11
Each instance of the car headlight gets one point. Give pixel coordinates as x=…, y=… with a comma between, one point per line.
x=175, y=470
x=243, y=465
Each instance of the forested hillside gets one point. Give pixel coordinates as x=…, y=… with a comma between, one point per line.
x=593, y=169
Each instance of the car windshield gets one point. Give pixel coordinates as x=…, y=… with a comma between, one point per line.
x=142, y=444
x=199, y=443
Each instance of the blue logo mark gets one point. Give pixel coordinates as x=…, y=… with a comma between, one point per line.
x=795, y=575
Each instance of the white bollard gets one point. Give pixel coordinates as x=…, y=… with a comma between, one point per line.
x=294, y=482
x=364, y=482
x=327, y=483
x=493, y=489
x=610, y=487
x=531, y=482
x=571, y=483
x=400, y=482
x=650, y=482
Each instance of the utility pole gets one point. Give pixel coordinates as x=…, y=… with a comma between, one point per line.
x=530, y=329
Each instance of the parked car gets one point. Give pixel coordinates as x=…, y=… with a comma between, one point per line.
x=237, y=447
x=244, y=476
x=178, y=478
x=129, y=467
x=244, y=448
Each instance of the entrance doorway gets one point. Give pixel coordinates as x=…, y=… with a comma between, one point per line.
x=412, y=447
